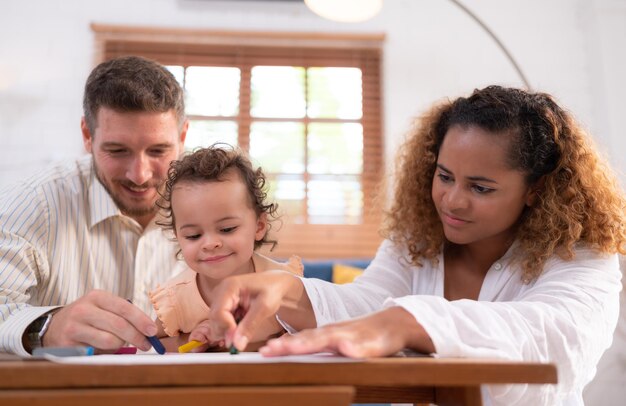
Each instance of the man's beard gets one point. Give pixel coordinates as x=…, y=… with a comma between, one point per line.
x=124, y=208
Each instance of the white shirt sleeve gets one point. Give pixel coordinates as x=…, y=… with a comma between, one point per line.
x=567, y=317
x=609, y=384
x=387, y=276
x=22, y=220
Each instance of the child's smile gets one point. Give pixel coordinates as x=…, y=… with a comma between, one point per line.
x=216, y=226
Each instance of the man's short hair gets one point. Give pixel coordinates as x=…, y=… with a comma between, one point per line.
x=132, y=84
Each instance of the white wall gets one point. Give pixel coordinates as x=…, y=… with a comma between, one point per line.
x=574, y=49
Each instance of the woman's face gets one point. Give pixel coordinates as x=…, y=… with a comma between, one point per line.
x=477, y=196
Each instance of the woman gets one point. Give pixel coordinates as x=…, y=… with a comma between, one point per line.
x=501, y=242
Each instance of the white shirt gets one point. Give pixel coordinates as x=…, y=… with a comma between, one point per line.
x=61, y=236
x=608, y=387
x=566, y=316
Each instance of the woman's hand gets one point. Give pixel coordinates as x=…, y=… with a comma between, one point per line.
x=253, y=299
x=377, y=335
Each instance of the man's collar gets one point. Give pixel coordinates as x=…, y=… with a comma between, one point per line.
x=101, y=205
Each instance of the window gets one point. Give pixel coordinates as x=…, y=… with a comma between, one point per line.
x=305, y=107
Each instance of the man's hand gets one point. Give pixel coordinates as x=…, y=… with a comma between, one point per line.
x=101, y=320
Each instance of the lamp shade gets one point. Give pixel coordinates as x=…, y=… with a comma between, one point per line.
x=345, y=11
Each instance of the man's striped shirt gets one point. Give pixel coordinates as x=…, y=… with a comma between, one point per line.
x=61, y=236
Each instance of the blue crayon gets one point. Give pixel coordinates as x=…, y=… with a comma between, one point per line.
x=156, y=343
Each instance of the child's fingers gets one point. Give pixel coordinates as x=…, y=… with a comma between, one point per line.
x=202, y=332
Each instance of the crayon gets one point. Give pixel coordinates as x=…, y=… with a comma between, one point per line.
x=154, y=340
x=63, y=351
x=189, y=346
x=126, y=350
x=238, y=316
x=156, y=344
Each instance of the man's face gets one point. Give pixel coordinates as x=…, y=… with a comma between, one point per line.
x=131, y=155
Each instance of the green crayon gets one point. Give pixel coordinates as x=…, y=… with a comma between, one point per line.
x=233, y=350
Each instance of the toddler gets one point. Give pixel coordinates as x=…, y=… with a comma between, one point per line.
x=214, y=202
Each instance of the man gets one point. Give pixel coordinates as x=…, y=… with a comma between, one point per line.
x=78, y=242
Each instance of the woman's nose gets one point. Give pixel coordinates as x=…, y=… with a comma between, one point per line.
x=456, y=198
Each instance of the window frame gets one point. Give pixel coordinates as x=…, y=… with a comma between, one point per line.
x=245, y=49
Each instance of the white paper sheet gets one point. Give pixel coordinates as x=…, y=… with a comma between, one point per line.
x=196, y=358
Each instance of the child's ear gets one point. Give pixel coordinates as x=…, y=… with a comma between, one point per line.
x=261, y=227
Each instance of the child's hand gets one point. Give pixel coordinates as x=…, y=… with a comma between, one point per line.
x=202, y=333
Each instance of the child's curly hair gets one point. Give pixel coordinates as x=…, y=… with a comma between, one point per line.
x=211, y=165
x=580, y=200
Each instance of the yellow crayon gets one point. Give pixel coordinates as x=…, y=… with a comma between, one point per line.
x=189, y=346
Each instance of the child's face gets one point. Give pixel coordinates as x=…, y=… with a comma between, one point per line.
x=216, y=226
x=478, y=197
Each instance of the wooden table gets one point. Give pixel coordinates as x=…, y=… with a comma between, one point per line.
x=408, y=380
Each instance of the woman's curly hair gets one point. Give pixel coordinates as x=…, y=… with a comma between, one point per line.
x=579, y=201
x=211, y=165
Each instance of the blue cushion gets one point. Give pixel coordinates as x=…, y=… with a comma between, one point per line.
x=323, y=268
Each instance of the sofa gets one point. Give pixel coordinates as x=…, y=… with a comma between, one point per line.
x=334, y=270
